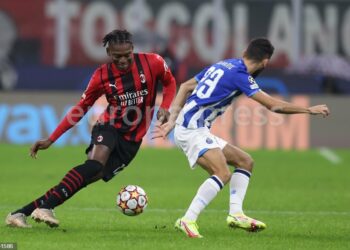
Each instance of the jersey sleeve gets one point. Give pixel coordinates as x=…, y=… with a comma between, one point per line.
x=167, y=79
x=200, y=75
x=74, y=115
x=247, y=84
x=94, y=89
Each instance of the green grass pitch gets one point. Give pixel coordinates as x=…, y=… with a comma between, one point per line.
x=303, y=198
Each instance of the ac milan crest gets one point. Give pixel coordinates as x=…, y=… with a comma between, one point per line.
x=99, y=138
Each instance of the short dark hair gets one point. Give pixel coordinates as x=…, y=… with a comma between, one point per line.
x=117, y=36
x=259, y=49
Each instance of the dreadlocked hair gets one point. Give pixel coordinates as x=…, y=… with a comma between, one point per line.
x=117, y=36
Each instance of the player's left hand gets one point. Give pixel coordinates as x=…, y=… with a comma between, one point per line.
x=162, y=115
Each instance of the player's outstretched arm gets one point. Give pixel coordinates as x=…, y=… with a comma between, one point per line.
x=39, y=145
x=283, y=107
x=91, y=94
x=185, y=89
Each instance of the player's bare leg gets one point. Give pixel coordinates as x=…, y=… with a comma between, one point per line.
x=238, y=186
x=214, y=162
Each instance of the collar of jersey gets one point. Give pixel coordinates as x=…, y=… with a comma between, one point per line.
x=123, y=72
x=243, y=64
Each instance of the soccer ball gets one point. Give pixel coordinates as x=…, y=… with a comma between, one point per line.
x=132, y=200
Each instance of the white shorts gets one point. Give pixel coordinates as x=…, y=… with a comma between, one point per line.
x=195, y=142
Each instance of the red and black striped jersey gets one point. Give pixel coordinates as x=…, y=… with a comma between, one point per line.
x=130, y=94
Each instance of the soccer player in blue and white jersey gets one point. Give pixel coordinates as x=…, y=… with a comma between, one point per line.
x=199, y=101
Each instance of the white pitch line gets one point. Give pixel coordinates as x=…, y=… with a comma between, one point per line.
x=179, y=210
x=272, y=212
x=330, y=155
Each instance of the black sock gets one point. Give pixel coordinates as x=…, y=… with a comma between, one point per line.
x=29, y=208
x=76, y=179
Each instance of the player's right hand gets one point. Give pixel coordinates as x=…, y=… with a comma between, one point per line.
x=319, y=109
x=163, y=115
x=163, y=130
x=39, y=145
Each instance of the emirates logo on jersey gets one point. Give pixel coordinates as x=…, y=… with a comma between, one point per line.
x=132, y=98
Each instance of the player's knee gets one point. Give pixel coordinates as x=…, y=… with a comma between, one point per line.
x=227, y=176
x=224, y=175
x=247, y=163
x=89, y=170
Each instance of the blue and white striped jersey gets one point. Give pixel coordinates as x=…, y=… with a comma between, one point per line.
x=217, y=87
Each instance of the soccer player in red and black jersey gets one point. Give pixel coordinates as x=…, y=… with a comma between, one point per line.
x=129, y=83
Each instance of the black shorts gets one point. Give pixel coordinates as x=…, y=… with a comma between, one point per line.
x=123, y=151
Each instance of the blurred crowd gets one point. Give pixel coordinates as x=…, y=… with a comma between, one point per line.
x=59, y=48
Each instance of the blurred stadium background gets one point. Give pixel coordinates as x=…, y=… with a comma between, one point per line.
x=50, y=48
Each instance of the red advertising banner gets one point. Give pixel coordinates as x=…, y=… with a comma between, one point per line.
x=56, y=44
x=196, y=32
